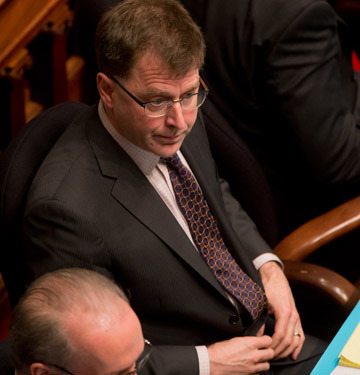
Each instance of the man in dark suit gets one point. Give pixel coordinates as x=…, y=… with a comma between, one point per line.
x=280, y=72
x=293, y=99
x=104, y=199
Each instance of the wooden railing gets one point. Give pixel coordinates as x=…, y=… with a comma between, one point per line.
x=22, y=22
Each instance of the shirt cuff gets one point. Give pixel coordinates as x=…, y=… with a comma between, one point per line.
x=265, y=258
x=204, y=362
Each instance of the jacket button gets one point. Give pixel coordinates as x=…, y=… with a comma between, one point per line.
x=234, y=319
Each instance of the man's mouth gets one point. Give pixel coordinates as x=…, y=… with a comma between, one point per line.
x=171, y=138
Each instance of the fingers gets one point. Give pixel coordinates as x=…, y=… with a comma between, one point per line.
x=262, y=367
x=284, y=329
x=291, y=344
x=264, y=355
x=301, y=339
x=240, y=355
x=261, y=331
x=288, y=338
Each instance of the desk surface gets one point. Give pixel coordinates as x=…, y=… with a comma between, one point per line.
x=329, y=359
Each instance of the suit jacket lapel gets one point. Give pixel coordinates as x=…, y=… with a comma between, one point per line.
x=133, y=191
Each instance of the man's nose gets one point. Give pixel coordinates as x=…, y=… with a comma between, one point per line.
x=175, y=116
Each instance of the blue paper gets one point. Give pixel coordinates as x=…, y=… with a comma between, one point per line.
x=330, y=358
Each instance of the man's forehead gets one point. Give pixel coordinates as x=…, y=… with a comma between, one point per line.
x=150, y=64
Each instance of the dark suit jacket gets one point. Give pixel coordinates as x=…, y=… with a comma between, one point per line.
x=278, y=72
x=90, y=206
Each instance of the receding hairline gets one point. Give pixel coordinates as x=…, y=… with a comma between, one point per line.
x=39, y=314
x=59, y=291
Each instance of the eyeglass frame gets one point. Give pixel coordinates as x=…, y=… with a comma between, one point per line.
x=139, y=363
x=173, y=101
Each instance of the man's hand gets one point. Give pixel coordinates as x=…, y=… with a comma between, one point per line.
x=288, y=337
x=241, y=355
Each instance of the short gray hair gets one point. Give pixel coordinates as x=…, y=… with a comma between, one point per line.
x=37, y=332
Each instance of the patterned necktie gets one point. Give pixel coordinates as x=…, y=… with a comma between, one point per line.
x=209, y=242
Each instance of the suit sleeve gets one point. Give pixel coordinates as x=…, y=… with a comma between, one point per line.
x=310, y=84
x=56, y=237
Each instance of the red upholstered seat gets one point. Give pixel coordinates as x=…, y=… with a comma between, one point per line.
x=4, y=311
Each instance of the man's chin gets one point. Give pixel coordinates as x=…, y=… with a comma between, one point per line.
x=166, y=151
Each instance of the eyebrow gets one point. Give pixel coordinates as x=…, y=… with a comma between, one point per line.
x=154, y=92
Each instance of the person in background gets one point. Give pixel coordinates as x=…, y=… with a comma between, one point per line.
x=75, y=321
x=131, y=189
x=280, y=72
x=349, y=10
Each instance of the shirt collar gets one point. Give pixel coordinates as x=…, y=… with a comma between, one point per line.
x=145, y=160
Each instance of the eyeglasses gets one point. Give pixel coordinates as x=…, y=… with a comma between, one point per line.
x=139, y=363
x=159, y=108
x=142, y=360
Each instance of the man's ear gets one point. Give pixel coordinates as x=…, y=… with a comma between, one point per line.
x=105, y=88
x=39, y=369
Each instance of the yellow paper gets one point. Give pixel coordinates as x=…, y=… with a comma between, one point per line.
x=350, y=355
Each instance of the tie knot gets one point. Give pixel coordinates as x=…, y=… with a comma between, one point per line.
x=172, y=160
